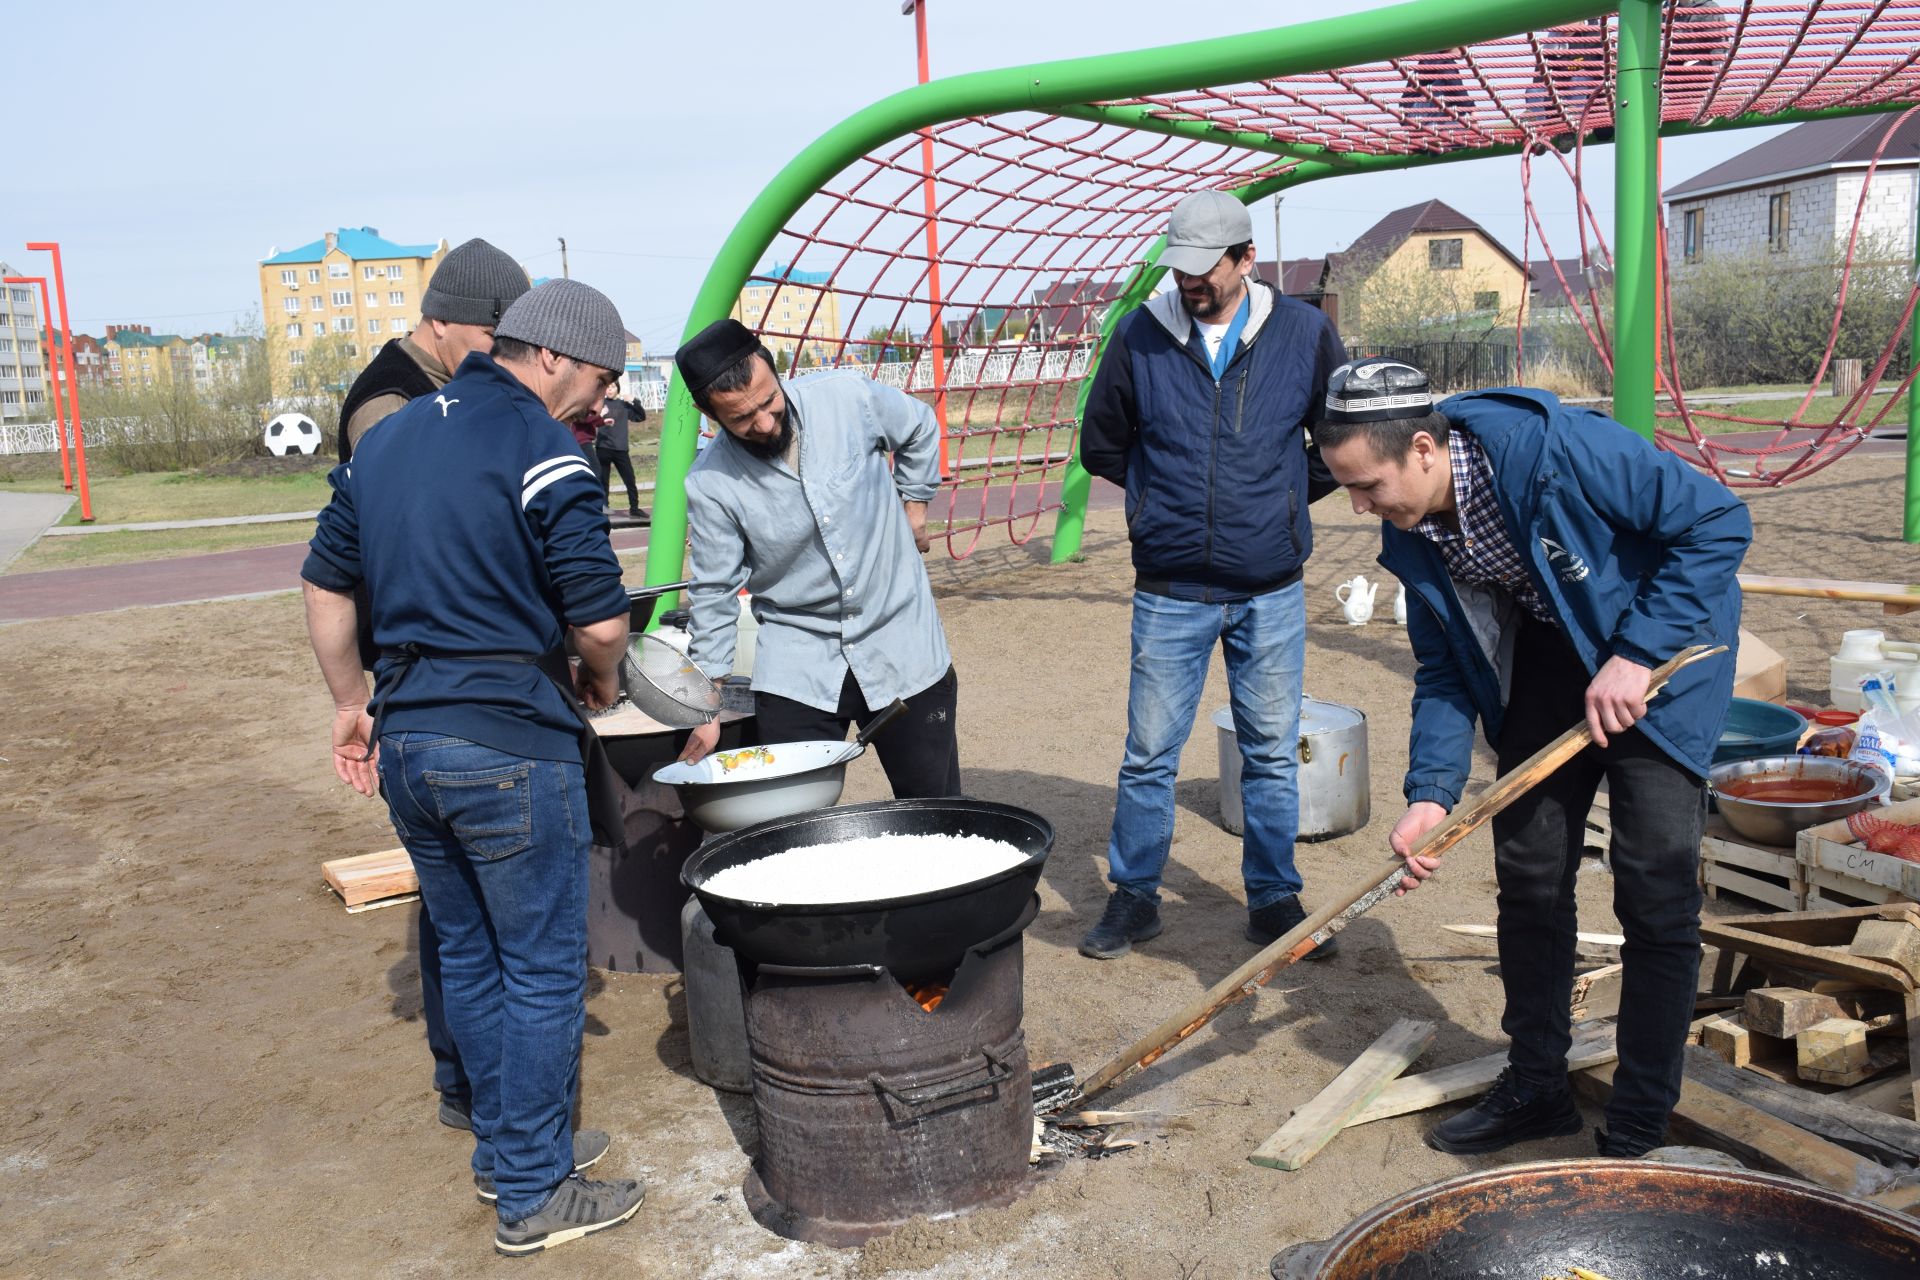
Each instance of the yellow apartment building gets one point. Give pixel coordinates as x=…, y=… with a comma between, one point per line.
x=351, y=285
x=792, y=311
x=1425, y=263
x=138, y=357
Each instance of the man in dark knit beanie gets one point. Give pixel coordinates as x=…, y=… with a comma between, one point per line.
x=470, y=290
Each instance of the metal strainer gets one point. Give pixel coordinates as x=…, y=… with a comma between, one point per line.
x=664, y=683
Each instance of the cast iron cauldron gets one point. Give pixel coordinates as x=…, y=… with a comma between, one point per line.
x=1625, y=1219
x=921, y=937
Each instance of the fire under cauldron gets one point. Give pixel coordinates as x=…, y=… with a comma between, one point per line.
x=890, y=1075
x=1622, y=1219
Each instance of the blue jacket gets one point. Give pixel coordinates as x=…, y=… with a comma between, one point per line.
x=1633, y=551
x=1218, y=474
x=478, y=529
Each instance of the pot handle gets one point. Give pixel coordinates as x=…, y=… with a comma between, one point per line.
x=1012, y=931
x=822, y=970
x=998, y=1073
x=1299, y=1261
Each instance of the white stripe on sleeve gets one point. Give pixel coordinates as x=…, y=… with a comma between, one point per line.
x=560, y=460
x=575, y=464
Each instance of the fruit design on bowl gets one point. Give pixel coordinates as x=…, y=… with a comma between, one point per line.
x=731, y=760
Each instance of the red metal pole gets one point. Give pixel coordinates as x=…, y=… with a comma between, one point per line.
x=934, y=335
x=59, y=419
x=66, y=333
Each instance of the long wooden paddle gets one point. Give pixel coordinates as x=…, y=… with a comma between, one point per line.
x=1362, y=896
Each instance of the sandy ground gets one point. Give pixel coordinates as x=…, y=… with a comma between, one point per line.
x=210, y=1070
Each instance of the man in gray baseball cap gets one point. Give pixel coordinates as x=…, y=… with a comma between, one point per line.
x=1218, y=474
x=468, y=293
x=480, y=533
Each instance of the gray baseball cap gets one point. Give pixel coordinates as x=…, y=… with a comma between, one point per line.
x=1204, y=226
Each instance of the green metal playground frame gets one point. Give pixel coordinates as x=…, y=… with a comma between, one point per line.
x=1077, y=88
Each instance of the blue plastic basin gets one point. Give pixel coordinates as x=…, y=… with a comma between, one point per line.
x=1756, y=729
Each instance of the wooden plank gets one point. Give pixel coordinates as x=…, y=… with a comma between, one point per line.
x=1314, y=1125
x=1728, y=1040
x=1888, y=593
x=1894, y=941
x=1826, y=890
x=1725, y=932
x=1597, y=994
x=1715, y=876
x=1787, y=1011
x=1586, y=946
x=1362, y=896
x=1775, y=860
x=1857, y=1128
x=368, y=876
x=1832, y=848
x=398, y=900
x=1473, y=1077
x=1912, y=1010
x=1711, y=1118
x=1881, y=1058
x=1890, y=1094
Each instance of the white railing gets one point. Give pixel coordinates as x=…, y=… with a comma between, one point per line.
x=38, y=437
x=987, y=368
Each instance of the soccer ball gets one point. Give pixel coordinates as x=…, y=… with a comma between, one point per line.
x=291, y=433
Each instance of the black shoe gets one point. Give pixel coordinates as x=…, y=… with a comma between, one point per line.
x=588, y=1146
x=1512, y=1112
x=1621, y=1146
x=456, y=1113
x=1267, y=925
x=1129, y=918
x=640, y=515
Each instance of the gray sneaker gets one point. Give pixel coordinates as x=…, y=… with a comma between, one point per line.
x=576, y=1208
x=588, y=1146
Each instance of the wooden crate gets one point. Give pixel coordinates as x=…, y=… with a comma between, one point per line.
x=1761, y=873
x=1841, y=872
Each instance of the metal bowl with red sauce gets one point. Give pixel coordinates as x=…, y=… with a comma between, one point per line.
x=1772, y=799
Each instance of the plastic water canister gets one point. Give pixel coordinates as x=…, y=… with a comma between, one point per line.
x=1864, y=652
x=746, y=638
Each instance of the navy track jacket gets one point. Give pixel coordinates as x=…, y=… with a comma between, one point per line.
x=1218, y=474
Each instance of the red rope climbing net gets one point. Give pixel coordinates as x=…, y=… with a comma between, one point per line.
x=1043, y=218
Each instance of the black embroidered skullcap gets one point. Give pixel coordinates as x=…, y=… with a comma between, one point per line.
x=712, y=351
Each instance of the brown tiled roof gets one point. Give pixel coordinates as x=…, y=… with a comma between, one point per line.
x=1817, y=144
x=1377, y=243
x=1546, y=286
x=1303, y=275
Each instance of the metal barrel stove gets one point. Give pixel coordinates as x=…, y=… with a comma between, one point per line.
x=889, y=1064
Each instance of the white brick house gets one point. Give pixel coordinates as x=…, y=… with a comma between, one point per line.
x=1796, y=194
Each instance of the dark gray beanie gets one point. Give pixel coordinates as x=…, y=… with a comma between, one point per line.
x=569, y=319
x=474, y=284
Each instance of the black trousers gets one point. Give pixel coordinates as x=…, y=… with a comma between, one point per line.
x=1658, y=811
x=622, y=461
x=920, y=750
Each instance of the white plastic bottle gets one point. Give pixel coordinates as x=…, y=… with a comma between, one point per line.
x=746, y=638
x=1864, y=652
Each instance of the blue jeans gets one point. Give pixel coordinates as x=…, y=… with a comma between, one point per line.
x=500, y=845
x=1265, y=640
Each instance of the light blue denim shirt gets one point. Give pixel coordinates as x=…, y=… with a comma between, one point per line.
x=837, y=582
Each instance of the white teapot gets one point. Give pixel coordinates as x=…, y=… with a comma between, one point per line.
x=1356, y=599
x=1400, y=605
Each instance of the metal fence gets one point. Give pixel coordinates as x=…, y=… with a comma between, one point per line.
x=1466, y=366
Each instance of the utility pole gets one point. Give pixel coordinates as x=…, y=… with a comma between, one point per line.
x=563, y=259
x=1279, y=258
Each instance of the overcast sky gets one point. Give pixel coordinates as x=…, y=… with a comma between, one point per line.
x=192, y=140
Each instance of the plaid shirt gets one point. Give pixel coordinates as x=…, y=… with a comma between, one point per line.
x=1482, y=551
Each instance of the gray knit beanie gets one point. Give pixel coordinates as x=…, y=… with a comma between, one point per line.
x=569, y=319
x=474, y=284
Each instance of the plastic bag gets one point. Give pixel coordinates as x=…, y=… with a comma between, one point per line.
x=1885, y=738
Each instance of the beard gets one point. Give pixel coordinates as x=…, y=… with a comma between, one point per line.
x=776, y=447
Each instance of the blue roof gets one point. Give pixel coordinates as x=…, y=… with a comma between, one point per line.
x=358, y=243
x=785, y=271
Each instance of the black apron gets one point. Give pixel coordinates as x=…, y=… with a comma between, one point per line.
x=605, y=788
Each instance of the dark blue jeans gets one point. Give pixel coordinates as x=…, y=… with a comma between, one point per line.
x=500, y=845
x=449, y=1077
x=1658, y=811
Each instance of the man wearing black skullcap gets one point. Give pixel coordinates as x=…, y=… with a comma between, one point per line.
x=1552, y=559
x=795, y=503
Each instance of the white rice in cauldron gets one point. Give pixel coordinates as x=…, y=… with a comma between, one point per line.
x=865, y=870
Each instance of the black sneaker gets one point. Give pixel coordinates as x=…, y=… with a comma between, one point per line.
x=588, y=1146
x=456, y=1113
x=1129, y=918
x=1267, y=925
x=576, y=1208
x=1621, y=1146
x=1512, y=1112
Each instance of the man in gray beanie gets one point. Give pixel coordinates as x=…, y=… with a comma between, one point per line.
x=470, y=290
x=480, y=534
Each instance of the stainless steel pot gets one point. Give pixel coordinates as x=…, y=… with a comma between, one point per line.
x=1777, y=822
x=1335, y=780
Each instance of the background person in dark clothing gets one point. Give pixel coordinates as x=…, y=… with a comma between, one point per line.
x=612, y=450
x=1552, y=559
